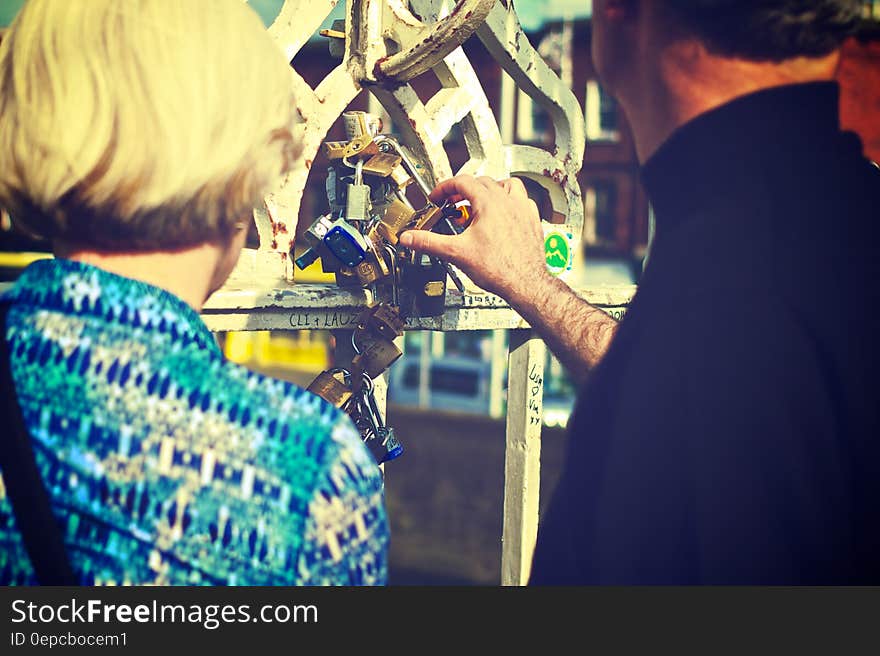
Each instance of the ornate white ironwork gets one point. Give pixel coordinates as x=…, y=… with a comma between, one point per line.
x=387, y=44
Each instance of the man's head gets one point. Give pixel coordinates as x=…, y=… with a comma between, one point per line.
x=757, y=30
x=139, y=126
x=685, y=56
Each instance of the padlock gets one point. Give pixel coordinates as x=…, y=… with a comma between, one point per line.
x=347, y=244
x=332, y=387
x=358, y=123
x=376, y=357
x=308, y=257
x=346, y=277
x=398, y=215
x=330, y=186
x=379, y=439
x=427, y=217
x=425, y=286
x=401, y=177
x=335, y=149
x=369, y=270
x=384, y=444
x=413, y=169
x=316, y=232
x=382, y=320
x=357, y=198
x=362, y=145
x=382, y=164
x=455, y=219
x=389, y=446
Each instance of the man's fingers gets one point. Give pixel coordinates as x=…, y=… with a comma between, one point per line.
x=422, y=241
x=515, y=188
x=463, y=186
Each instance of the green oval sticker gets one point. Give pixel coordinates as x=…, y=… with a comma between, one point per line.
x=557, y=253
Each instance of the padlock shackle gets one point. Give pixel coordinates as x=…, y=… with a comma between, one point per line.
x=407, y=161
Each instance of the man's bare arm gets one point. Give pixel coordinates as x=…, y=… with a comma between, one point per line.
x=576, y=332
x=502, y=251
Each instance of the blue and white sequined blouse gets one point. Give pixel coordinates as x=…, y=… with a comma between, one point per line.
x=168, y=464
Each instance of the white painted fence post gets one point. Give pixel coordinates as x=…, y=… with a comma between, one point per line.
x=522, y=455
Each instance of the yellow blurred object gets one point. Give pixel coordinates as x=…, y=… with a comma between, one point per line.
x=302, y=350
x=19, y=260
x=313, y=273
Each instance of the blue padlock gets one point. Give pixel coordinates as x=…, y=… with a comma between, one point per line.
x=392, y=446
x=347, y=244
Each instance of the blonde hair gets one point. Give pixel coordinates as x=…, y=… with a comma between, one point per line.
x=140, y=124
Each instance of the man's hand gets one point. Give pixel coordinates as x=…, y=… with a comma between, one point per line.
x=502, y=250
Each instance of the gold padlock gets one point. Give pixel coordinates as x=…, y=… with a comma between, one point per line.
x=384, y=269
x=427, y=217
x=382, y=320
x=362, y=145
x=331, y=387
x=397, y=216
x=382, y=164
x=377, y=357
x=369, y=270
x=401, y=177
x=335, y=149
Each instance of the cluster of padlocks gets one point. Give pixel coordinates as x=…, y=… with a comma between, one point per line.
x=367, y=183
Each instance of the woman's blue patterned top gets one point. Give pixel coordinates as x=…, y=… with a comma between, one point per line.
x=168, y=464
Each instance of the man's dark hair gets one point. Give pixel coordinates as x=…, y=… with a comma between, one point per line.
x=769, y=29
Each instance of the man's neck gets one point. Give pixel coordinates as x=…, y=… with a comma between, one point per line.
x=187, y=273
x=688, y=81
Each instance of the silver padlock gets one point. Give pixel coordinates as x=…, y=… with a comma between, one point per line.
x=357, y=201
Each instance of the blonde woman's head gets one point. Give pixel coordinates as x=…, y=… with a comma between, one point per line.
x=140, y=124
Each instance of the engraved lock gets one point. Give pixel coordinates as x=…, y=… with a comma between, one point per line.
x=332, y=387
x=382, y=320
x=377, y=357
x=358, y=123
x=397, y=216
x=347, y=244
x=382, y=164
x=369, y=271
x=357, y=199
